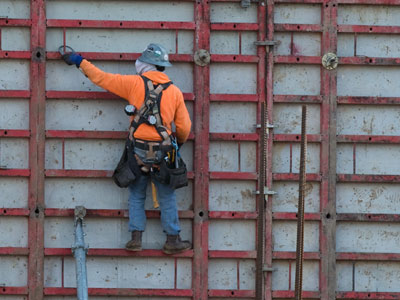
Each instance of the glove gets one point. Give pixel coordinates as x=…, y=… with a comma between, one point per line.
x=72, y=59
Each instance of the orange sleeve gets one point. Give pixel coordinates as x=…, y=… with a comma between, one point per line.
x=121, y=85
x=182, y=119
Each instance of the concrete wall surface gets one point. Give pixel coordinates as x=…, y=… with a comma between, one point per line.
x=60, y=153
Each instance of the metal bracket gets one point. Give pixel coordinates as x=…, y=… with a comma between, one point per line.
x=268, y=269
x=267, y=43
x=269, y=126
x=202, y=57
x=330, y=61
x=266, y=192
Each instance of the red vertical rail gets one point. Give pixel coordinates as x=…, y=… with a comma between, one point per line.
x=268, y=94
x=328, y=156
x=201, y=129
x=36, y=151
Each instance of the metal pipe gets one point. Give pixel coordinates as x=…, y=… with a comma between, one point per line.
x=79, y=250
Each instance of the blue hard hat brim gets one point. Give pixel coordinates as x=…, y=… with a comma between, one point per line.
x=161, y=63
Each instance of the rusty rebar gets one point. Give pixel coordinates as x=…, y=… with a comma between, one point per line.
x=300, y=213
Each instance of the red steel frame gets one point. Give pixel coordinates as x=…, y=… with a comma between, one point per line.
x=201, y=98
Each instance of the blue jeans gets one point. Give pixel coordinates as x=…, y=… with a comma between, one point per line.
x=166, y=198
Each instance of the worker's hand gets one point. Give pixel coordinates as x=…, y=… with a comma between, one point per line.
x=72, y=58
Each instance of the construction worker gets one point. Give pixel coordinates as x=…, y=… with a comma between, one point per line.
x=146, y=138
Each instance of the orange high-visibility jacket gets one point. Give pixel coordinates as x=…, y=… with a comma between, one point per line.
x=131, y=88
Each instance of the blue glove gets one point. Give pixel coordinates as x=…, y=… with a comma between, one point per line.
x=72, y=59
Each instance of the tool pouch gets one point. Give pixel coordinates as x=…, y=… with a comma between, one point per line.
x=172, y=176
x=127, y=169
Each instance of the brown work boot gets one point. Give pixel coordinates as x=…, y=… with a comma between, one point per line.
x=135, y=244
x=174, y=245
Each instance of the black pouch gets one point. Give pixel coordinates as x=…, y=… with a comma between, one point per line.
x=174, y=177
x=127, y=169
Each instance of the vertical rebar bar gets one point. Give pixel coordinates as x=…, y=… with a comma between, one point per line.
x=300, y=213
x=79, y=250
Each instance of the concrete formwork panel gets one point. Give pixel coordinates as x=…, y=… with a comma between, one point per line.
x=59, y=233
x=15, y=9
x=247, y=271
x=14, y=114
x=304, y=44
x=233, y=117
x=15, y=39
x=14, y=74
x=5, y=297
x=344, y=276
x=14, y=192
x=108, y=298
x=232, y=195
x=281, y=280
x=232, y=235
x=368, y=198
x=232, y=12
x=371, y=120
x=224, y=156
x=53, y=268
x=120, y=10
x=297, y=80
x=287, y=119
x=14, y=231
x=187, y=154
x=87, y=115
x=182, y=76
x=184, y=274
x=247, y=158
x=377, y=277
x=378, y=45
x=14, y=271
x=222, y=42
x=54, y=154
x=369, y=15
x=124, y=272
x=110, y=40
x=297, y=13
x=248, y=39
x=377, y=159
x=185, y=42
x=14, y=153
x=231, y=274
x=286, y=162
x=227, y=78
x=345, y=44
x=368, y=81
x=368, y=237
x=287, y=197
x=344, y=159
x=284, y=236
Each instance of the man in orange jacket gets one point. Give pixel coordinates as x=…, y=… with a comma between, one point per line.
x=147, y=137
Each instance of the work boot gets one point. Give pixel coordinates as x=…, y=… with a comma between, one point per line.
x=174, y=245
x=135, y=244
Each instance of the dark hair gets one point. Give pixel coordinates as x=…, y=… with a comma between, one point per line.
x=160, y=68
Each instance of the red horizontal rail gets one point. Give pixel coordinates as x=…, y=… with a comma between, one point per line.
x=368, y=178
x=232, y=254
x=116, y=253
x=233, y=175
x=70, y=134
x=368, y=100
x=298, y=27
x=235, y=26
x=234, y=97
x=316, y=60
x=12, y=133
x=12, y=290
x=79, y=173
x=15, y=172
x=287, y=255
x=234, y=58
x=298, y=1
x=353, y=256
x=15, y=54
x=248, y=137
x=368, y=29
x=5, y=22
x=14, y=251
x=368, y=217
x=297, y=99
x=290, y=294
x=312, y=138
x=14, y=211
x=233, y=215
x=232, y=293
x=293, y=216
x=120, y=292
x=370, y=2
x=295, y=177
x=94, y=95
x=14, y=94
x=373, y=61
x=378, y=139
x=120, y=24
x=368, y=295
